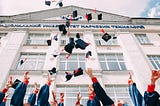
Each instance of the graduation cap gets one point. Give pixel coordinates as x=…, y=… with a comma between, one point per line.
x=21, y=62
x=62, y=27
x=68, y=23
x=49, y=42
x=77, y=35
x=65, y=32
x=78, y=72
x=68, y=75
x=89, y=17
x=99, y=16
x=89, y=53
x=81, y=44
x=74, y=14
x=106, y=37
x=15, y=83
x=48, y=3
x=52, y=71
x=55, y=37
x=69, y=47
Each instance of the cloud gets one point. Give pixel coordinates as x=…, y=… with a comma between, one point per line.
x=154, y=12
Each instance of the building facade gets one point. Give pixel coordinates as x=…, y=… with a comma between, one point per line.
x=134, y=47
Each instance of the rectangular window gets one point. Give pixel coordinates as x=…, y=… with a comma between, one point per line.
x=142, y=38
x=29, y=90
x=155, y=61
x=31, y=61
x=119, y=92
x=70, y=94
x=100, y=42
x=112, y=62
x=37, y=38
x=75, y=61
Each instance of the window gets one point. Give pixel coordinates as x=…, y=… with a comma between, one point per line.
x=29, y=90
x=31, y=61
x=37, y=38
x=70, y=94
x=65, y=39
x=112, y=62
x=118, y=92
x=142, y=38
x=75, y=61
x=100, y=42
x=155, y=60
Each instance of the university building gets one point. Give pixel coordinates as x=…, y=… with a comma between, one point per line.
x=134, y=47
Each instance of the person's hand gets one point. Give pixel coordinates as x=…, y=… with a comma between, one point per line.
x=9, y=83
x=61, y=95
x=130, y=81
x=89, y=72
x=90, y=89
x=155, y=75
x=26, y=75
x=54, y=95
x=79, y=97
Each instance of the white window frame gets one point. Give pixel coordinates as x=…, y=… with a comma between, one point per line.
x=142, y=38
x=37, y=58
x=77, y=60
x=100, y=42
x=119, y=92
x=155, y=61
x=117, y=60
x=37, y=38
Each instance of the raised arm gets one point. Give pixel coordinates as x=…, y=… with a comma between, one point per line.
x=100, y=93
x=79, y=97
x=151, y=97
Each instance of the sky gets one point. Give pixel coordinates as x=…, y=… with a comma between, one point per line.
x=130, y=8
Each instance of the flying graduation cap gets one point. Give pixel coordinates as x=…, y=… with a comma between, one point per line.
x=88, y=17
x=106, y=37
x=48, y=3
x=74, y=14
x=15, y=83
x=59, y=3
x=81, y=44
x=52, y=71
x=62, y=28
x=76, y=72
x=49, y=42
x=99, y=16
x=88, y=54
x=22, y=61
x=70, y=46
x=55, y=37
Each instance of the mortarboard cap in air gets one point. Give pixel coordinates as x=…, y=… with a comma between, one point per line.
x=64, y=32
x=74, y=14
x=62, y=27
x=77, y=35
x=68, y=76
x=21, y=62
x=106, y=37
x=99, y=16
x=48, y=3
x=69, y=47
x=89, y=53
x=114, y=37
x=49, y=42
x=55, y=37
x=15, y=83
x=89, y=17
x=81, y=44
x=68, y=23
x=60, y=4
x=52, y=71
x=78, y=72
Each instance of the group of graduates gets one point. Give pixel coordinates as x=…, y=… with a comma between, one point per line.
x=96, y=93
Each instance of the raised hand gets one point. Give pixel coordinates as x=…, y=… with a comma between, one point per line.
x=26, y=75
x=89, y=72
x=130, y=81
x=155, y=75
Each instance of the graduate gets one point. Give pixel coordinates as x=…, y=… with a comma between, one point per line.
x=32, y=97
x=79, y=97
x=43, y=94
x=100, y=93
x=151, y=97
x=20, y=90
